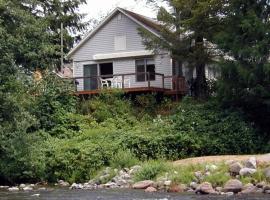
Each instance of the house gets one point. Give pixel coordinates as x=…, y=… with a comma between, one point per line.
x=113, y=55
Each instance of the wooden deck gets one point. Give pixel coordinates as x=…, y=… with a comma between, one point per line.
x=178, y=85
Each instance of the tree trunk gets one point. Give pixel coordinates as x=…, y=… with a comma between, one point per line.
x=200, y=85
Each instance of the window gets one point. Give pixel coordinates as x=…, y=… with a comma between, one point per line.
x=120, y=43
x=143, y=67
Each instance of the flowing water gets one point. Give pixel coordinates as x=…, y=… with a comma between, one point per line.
x=65, y=194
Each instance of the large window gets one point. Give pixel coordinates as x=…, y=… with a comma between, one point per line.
x=143, y=66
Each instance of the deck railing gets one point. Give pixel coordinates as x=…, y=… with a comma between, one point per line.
x=173, y=83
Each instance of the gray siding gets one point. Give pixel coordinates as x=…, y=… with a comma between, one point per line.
x=103, y=41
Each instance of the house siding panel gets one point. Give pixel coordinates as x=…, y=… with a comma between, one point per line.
x=103, y=41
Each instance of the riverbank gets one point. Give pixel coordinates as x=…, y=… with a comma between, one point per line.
x=229, y=177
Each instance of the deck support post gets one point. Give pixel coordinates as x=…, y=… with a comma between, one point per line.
x=123, y=81
x=148, y=78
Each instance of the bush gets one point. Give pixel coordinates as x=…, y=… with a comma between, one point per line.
x=150, y=170
x=123, y=158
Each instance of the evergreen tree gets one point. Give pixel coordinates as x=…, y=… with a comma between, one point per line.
x=245, y=37
x=184, y=32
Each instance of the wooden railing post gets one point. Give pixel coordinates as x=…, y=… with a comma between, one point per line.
x=163, y=82
x=123, y=81
x=148, y=78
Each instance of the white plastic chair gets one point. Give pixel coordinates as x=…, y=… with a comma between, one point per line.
x=117, y=82
x=104, y=83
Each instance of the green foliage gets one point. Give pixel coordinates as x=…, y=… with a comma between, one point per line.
x=123, y=158
x=150, y=170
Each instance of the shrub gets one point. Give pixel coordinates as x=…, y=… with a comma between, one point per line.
x=123, y=158
x=150, y=170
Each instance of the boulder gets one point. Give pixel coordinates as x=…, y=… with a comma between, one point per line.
x=22, y=185
x=251, y=163
x=167, y=183
x=205, y=188
x=233, y=185
x=235, y=168
x=134, y=169
x=28, y=188
x=3, y=187
x=193, y=185
x=13, y=189
x=76, y=186
x=247, y=171
x=175, y=188
x=260, y=184
x=63, y=183
x=265, y=188
x=266, y=173
x=150, y=189
x=249, y=188
x=219, y=189
x=143, y=184
x=198, y=175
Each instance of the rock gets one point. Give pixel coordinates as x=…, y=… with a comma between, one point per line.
x=35, y=195
x=266, y=173
x=13, y=189
x=150, y=189
x=260, y=185
x=251, y=163
x=229, y=194
x=28, y=188
x=3, y=187
x=249, y=188
x=233, y=185
x=235, y=168
x=247, y=171
x=111, y=185
x=167, y=183
x=76, y=186
x=265, y=188
x=219, y=189
x=133, y=170
x=143, y=184
x=267, y=191
x=193, y=185
x=22, y=185
x=205, y=188
x=63, y=183
x=198, y=175
x=175, y=188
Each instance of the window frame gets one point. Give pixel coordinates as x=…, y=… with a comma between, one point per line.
x=145, y=70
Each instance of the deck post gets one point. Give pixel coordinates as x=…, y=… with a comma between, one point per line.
x=123, y=81
x=148, y=77
x=163, y=82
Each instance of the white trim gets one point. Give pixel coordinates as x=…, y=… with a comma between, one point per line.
x=122, y=55
x=107, y=19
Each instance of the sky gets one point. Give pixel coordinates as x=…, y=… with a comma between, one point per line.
x=98, y=8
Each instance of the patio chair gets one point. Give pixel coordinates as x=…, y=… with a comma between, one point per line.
x=117, y=82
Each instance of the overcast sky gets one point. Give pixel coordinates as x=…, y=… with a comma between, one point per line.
x=97, y=8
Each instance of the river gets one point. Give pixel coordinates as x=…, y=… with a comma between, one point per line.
x=65, y=194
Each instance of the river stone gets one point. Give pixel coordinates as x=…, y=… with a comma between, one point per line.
x=251, y=163
x=167, y=183
x=150, y=189
x=260, y=184
x=267, y=173
x=219, y=189
x=266, y=187
x=175, y=188
x=233, y=185
x=205, y=188
x=143, y=184
x=13, y=189
x=249, y=188
x=28, y=188
x=235, y=168
x=22, y=185
x=193, y=185
x=63, y=183
x=247, y=171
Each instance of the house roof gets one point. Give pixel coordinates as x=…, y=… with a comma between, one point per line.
x=147, y=23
